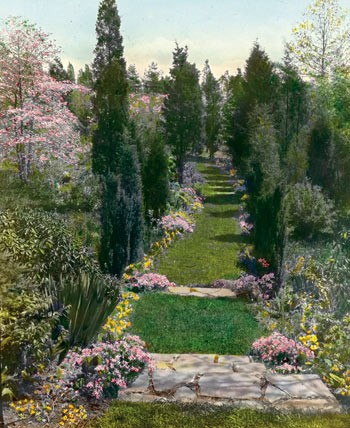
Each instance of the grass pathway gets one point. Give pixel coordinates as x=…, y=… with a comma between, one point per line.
x=209, y=253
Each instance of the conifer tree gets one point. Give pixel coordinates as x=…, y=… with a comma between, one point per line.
x=85, y=77
x=71, y=72
x=133, y=79
x=153, y=81
x=113, y=157
x=212, y=110
x=183, y=109
x=57, y=71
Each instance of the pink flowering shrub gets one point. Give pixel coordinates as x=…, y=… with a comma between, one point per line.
x=281, y=352
x=103, y=368
x=176, y=223
x=250, y=285
x=150, y=281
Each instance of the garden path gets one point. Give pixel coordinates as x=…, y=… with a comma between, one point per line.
x=229, y=380
x=208, y=254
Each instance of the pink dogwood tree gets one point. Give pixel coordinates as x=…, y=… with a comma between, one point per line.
x=36, y=127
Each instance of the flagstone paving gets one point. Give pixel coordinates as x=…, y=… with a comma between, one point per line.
x=201, y=291
x=236, y=380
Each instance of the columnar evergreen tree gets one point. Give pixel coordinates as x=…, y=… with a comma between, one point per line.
x=113, y=157
x=183, y=109
x=134, y=80
x=153, y=81
x=71, y=72
x=257, y=86
x=155, y=174
x=212, y=110
x=85, y=77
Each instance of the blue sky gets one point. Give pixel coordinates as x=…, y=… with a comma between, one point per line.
x=222, y=31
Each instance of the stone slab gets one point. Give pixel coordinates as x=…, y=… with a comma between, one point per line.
x=201, y=292
x=235, y=386
x=301, y=386
x=230, y=379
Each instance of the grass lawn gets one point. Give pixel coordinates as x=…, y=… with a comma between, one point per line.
x=163, y=415
x=175, y=324
x=209, y=253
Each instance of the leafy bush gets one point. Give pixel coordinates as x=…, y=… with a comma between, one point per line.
x=310, y=214
x=26, y=320
x=41, y=242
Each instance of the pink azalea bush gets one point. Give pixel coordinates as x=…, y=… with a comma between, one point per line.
x=101, y=369
x=150, y=281
x=281, y=352
x=251, y=285
x=176, y=223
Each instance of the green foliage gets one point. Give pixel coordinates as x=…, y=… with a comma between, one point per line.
x=81, y=105
x=111, y=110
x=42, y=244
x=85, y=77
x=26, y=319
x=320, y=43
x=185, y=324
x=71, y=72
x=89, y=299
x=134, y=80
x=153, y=81
x=183, y=109
x=155, y=175
x=257, y=86
x=57, y=71
x=122, y=216
x=109, y=47
x=310, y=214
x=212, y=110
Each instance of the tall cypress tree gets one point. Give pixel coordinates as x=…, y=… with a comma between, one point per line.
x=111, y=87
x=183, y=109
x=113, y=156
x=212, y=110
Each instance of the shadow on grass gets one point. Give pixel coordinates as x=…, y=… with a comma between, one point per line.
x=224, y=214
x=231, y=238
x=222, y=189
x=219, y=199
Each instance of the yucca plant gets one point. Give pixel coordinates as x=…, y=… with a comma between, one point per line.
x=89, y=300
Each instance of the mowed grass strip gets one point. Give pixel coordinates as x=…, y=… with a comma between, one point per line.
x=175, y=324
x=211, y=252
x=166, y=415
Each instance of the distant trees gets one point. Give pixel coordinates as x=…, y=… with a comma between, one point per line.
x=183, y=109
x=212, y=110
x=321, y=42
x=85, y=77
x=153, y=80
x=134, y=80
x=114, y=156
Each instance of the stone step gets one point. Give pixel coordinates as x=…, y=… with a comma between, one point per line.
x=201, y=291
x=226, y=379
